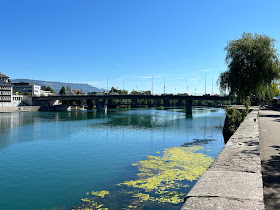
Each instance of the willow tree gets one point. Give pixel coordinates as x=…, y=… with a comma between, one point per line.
x=253, y=66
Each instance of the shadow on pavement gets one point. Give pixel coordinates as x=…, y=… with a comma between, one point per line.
x=274, y=116
x=271, y=181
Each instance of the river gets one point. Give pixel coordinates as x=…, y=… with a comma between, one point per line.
x=52, y=160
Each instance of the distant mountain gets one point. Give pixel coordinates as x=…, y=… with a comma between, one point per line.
x=56, y=86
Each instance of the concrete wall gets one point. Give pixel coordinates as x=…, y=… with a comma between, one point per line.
x=10, y=104
x=234, y=180
x=20, y=109
x=29, y=108
x=27, y=100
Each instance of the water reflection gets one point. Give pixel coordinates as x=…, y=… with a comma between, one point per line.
x=70, y=153
x=12, y=125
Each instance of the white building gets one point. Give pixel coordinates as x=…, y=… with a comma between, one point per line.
x=25, y=87
x=7, y=99
x=6, y=91
x=46, y=93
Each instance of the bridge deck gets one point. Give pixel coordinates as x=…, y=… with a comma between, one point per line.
x=148, y=97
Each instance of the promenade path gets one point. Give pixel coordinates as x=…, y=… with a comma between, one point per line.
x=269, y=130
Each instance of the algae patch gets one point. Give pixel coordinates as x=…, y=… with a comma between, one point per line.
x=161, y=179
x=101, y=194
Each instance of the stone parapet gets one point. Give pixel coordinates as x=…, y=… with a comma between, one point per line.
x=234, y=180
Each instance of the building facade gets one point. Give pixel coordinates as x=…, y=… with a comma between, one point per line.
x=7, y=99
x=6, y=91
x=25, y=87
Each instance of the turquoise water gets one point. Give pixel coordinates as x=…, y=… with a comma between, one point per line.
x=49, y=160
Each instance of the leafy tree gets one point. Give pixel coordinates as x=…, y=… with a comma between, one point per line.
x=50, y=89
x=147, y=92
x=113, y=90
x=252, y=66
x=271, y=91
x=119, y=91
x=62, y=91
x=47, y=89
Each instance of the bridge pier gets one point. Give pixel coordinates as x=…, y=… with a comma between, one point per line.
x=188, y=106
x=101, y=105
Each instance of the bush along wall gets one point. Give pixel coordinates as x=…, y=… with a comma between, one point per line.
x=234, y=117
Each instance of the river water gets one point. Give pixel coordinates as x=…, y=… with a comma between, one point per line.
x=52, y=160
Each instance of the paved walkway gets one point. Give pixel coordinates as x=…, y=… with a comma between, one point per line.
x=269, y=129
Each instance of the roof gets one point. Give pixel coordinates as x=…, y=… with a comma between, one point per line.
x=5, y=83
x=23, y=83
x=3, y=75
x=78, y=92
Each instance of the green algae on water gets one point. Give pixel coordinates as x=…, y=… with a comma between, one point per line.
x=160, y=178
x=101, y=194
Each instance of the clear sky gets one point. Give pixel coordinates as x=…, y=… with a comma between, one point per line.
x=128, y=40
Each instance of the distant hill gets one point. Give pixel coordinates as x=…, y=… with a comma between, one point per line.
x=56, y=86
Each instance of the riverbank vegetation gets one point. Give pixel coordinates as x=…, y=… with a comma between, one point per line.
x=234, y=117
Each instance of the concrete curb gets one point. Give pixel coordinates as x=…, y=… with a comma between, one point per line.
x=234, y=180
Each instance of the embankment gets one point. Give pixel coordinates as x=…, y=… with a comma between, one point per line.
x=20, y=109
x=234, y=180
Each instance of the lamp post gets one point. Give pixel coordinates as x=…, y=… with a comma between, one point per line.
x=164, y=86
x=107, y=83
x=205, y=83
x=152, y=84
x=212, y=85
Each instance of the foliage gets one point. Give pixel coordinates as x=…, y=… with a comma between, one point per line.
x=47, y=89
x=62, y=91
x=134, y=92
x=160, y=179
x=236, y=117
x=269, y=92
x=252, y=65
x=118, y=91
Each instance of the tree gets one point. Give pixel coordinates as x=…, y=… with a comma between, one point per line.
x=253, y=65
x=119, y=91
x=47, y=89
x=50, y=89
x=62, y=91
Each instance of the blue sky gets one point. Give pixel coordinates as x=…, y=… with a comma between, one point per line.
x=128, y=40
